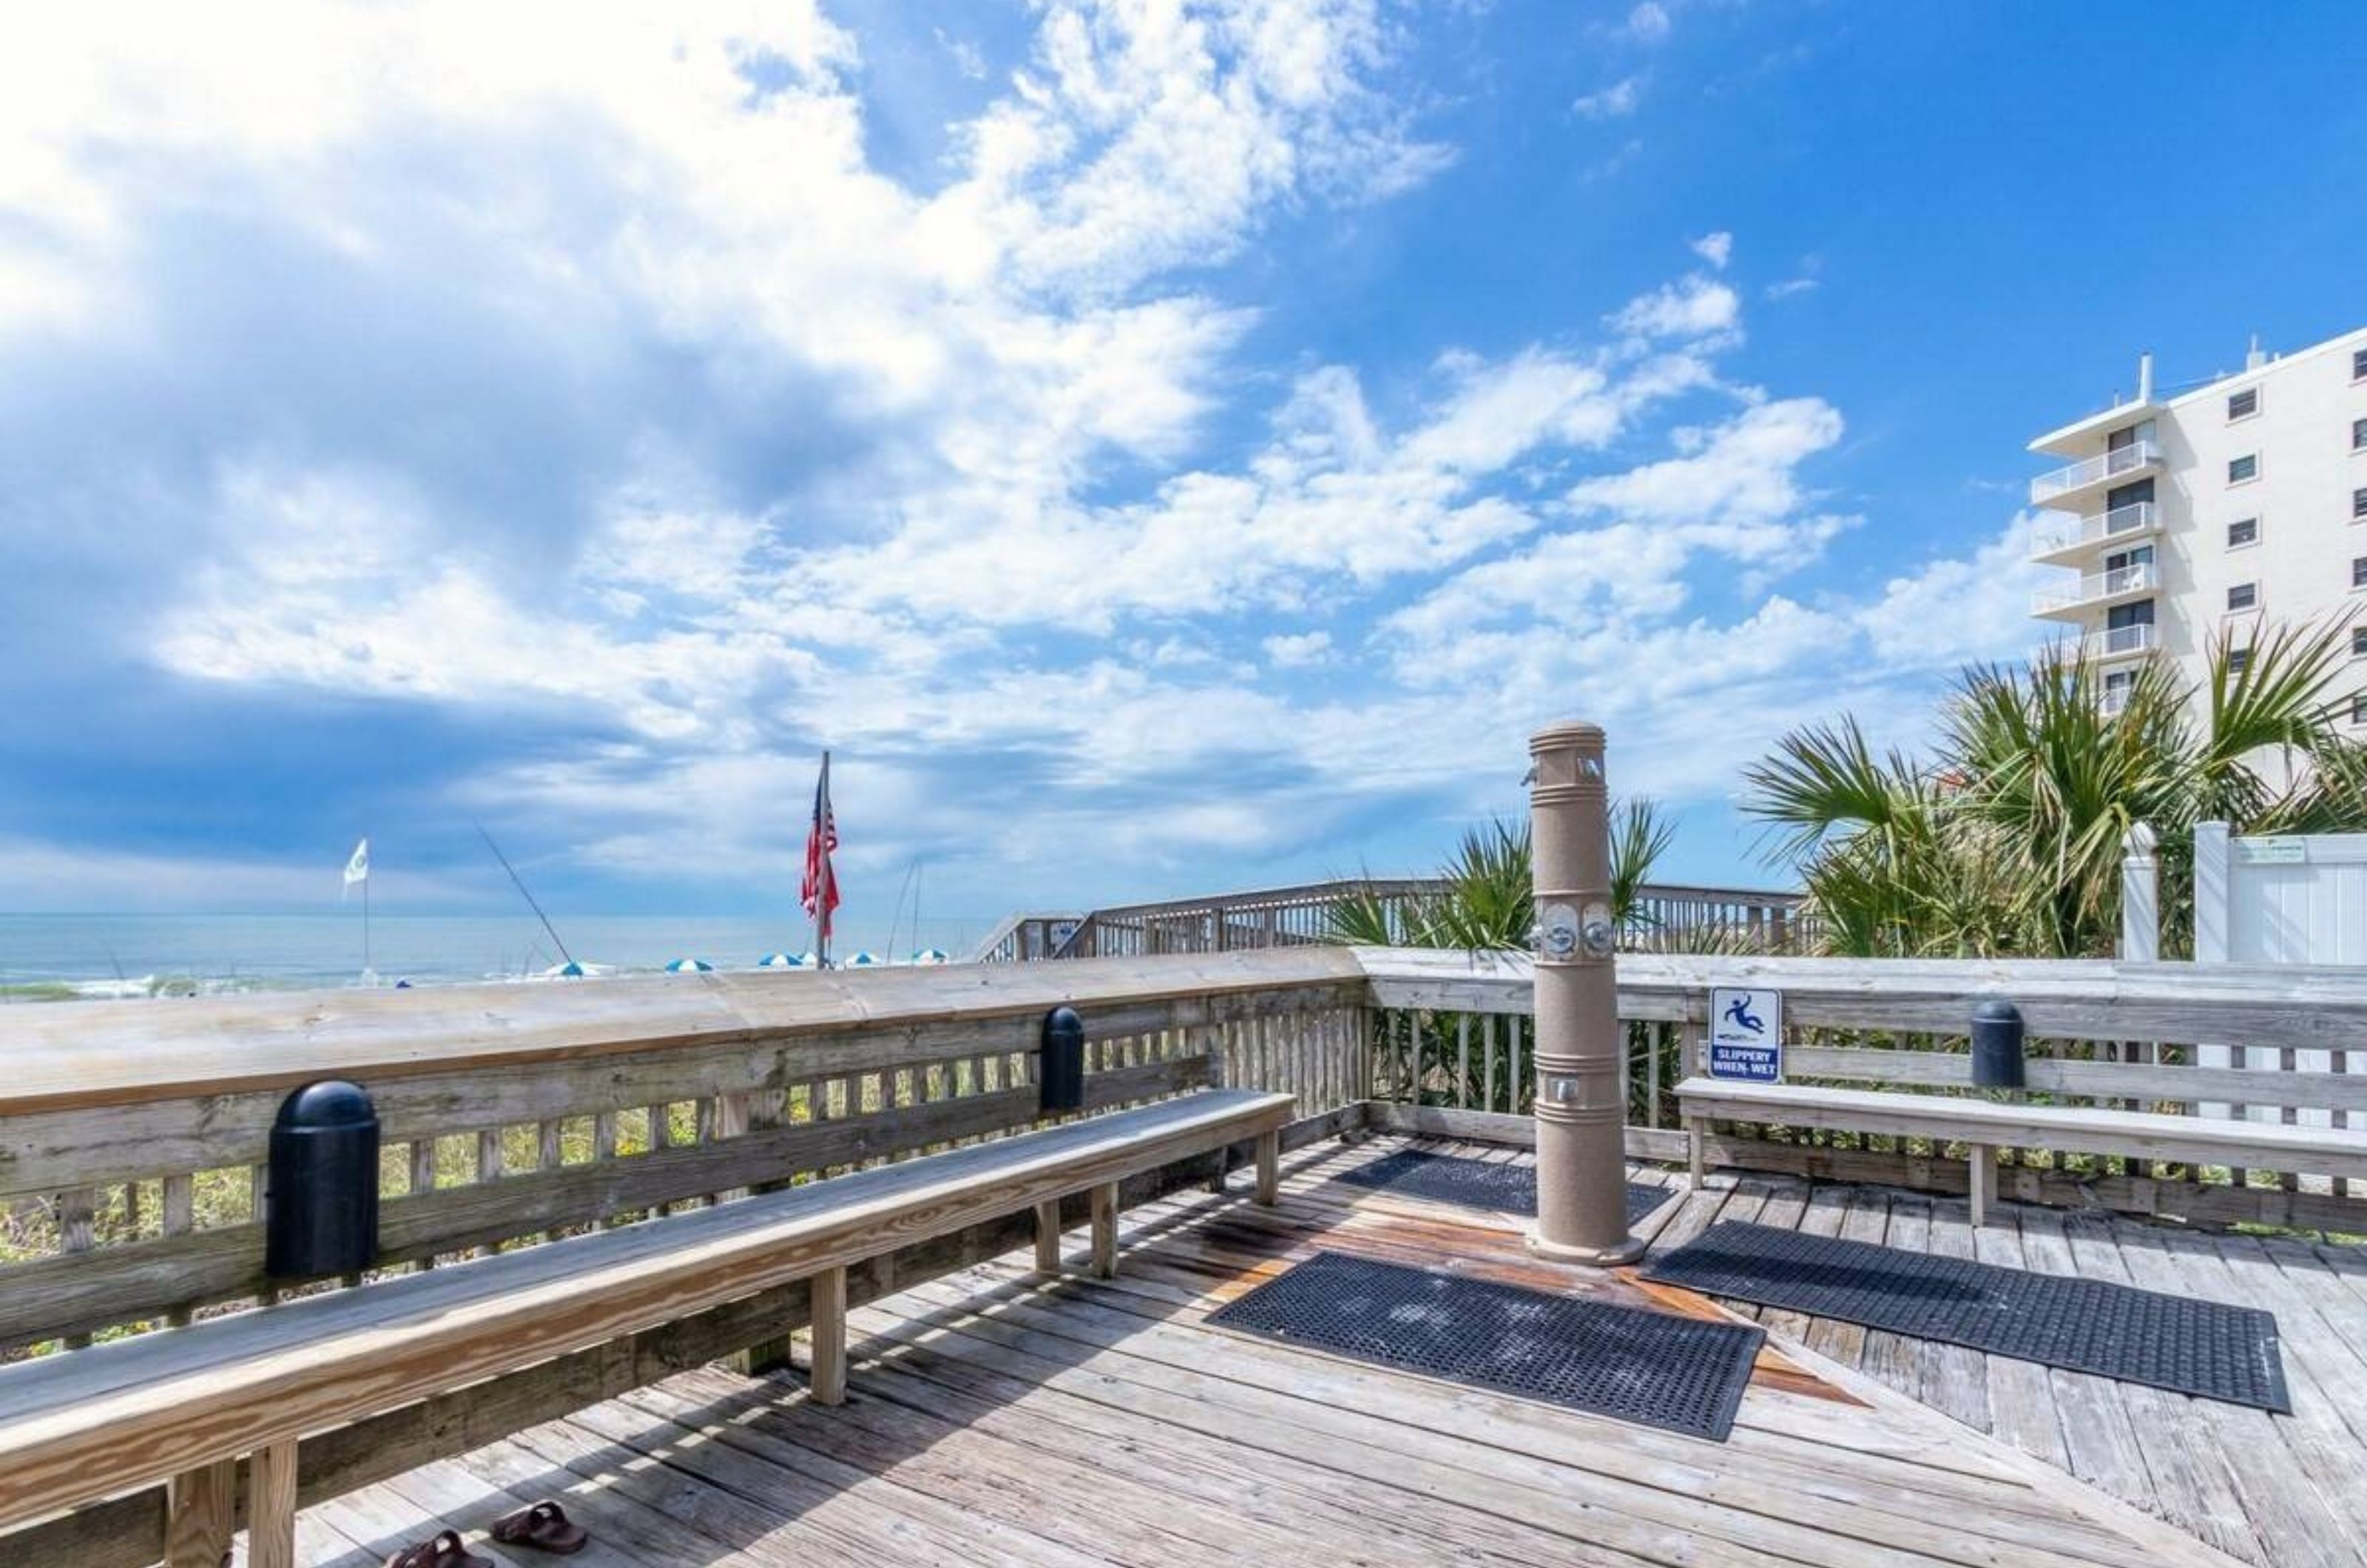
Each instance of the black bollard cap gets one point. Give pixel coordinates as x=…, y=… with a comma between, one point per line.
x=332, y=1102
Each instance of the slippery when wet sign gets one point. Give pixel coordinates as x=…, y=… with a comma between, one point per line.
x=1746, y=1034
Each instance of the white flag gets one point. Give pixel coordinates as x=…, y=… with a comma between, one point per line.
x=358, y=868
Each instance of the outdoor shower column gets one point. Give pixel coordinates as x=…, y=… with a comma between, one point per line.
x=1581, y=1117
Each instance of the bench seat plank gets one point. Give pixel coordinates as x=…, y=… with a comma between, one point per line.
x=116, y=1417
x=2325, y=1151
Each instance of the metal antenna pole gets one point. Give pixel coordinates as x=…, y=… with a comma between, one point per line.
x=523, y=893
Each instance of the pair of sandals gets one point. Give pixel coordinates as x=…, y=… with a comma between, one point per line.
x=545, y=1527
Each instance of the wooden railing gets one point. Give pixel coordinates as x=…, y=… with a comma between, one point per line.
x=1229, y=922
x=134, y=1137
x=1452, y=1037
x=1026, y=936
x=131, y=1134
x=1663, y=917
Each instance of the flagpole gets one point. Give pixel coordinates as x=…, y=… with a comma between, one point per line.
x=821, y=891
x=366, y=962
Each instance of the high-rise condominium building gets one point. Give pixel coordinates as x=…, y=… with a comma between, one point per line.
x=2190, y=519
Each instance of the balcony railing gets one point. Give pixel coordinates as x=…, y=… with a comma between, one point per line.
x=2118, y=642
x=2095, y=588
x=2129, y=459
x=2134, y=521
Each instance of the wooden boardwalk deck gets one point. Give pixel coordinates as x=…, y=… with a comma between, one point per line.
x=999, y=1417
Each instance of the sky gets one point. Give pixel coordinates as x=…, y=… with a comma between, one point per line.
x=1157, y=448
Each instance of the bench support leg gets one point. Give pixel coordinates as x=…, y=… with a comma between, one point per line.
x=1983, y=1160
x=828, y=1377
x=1106, y=1230
x=1269, y=1167
x=199, y=1509
x=1697, y=1152
x=271, y=1508
x=1047, y=1236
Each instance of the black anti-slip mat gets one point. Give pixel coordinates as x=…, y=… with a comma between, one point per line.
x=1653, y=1368
x=2204, y=1348
x=1476, y=1183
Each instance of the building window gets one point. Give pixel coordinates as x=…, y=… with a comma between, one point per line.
x=2243, y=531
x=2358, y=571
x=2239, y=660
x=2359, y=708
x=2359, y=435
x=2358, y=642
x=2244, y=404
x=2359, y=363
x=2247, y=467
x=2243, y=596
x=2358, y=505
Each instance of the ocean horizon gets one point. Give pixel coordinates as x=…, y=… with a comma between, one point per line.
x=62, y=956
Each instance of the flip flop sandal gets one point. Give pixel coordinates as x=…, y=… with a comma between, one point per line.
x=544, y=1527
x=444, y=1549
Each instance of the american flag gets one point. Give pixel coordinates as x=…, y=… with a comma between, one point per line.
x=819, y=893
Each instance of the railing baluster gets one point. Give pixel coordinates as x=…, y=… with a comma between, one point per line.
x=180, y=1217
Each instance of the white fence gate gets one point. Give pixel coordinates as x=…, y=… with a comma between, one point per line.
x=2300, y=900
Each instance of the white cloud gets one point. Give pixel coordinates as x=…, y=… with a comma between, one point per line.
x=1743, y=471
x=1615, y=102
x=1695, y=307
x=1956, y=611
x=1615, y=162
x=1295, y=649
x=1647, y=23
x=635, y=409
x=1716, y=248
x=1787, y=287
x=967, y=58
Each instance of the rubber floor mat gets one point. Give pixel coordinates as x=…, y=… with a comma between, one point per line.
x=2188, y=1346
x=1681, y=1373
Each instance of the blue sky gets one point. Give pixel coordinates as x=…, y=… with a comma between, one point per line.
x=1157, y=446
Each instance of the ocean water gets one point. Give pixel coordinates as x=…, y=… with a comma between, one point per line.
x=44, y=956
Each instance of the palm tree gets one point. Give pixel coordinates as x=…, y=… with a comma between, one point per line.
x=2008, y=840
x=1483, y=903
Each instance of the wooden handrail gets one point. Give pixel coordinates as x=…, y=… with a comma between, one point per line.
x=101, y=1053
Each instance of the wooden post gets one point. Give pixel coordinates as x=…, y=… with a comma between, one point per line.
x=1269, y=1167
x=1983, y=1159
x=829, y=1374
x=271, y=1507
x=1697, y=1151
x=1047, y=1236
x=197, y=1515
x=1104, y=1198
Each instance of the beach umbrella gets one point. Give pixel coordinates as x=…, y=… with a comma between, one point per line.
x=689, y=966
x=862, y=960
x=930, y=955
x=809, y=959
x=570, y=970
x=781, y=960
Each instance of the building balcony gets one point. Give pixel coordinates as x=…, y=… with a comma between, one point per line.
x=2066, y=489
x=2118, y=642
x=2061, y=544
x=2070, y=601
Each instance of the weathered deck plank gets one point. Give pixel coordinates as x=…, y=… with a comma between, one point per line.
x=997, y=1417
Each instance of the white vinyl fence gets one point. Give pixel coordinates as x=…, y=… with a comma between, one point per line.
x=2298, y=899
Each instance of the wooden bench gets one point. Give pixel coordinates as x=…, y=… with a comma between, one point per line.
x=1987, y=1125
x=182, y=1407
